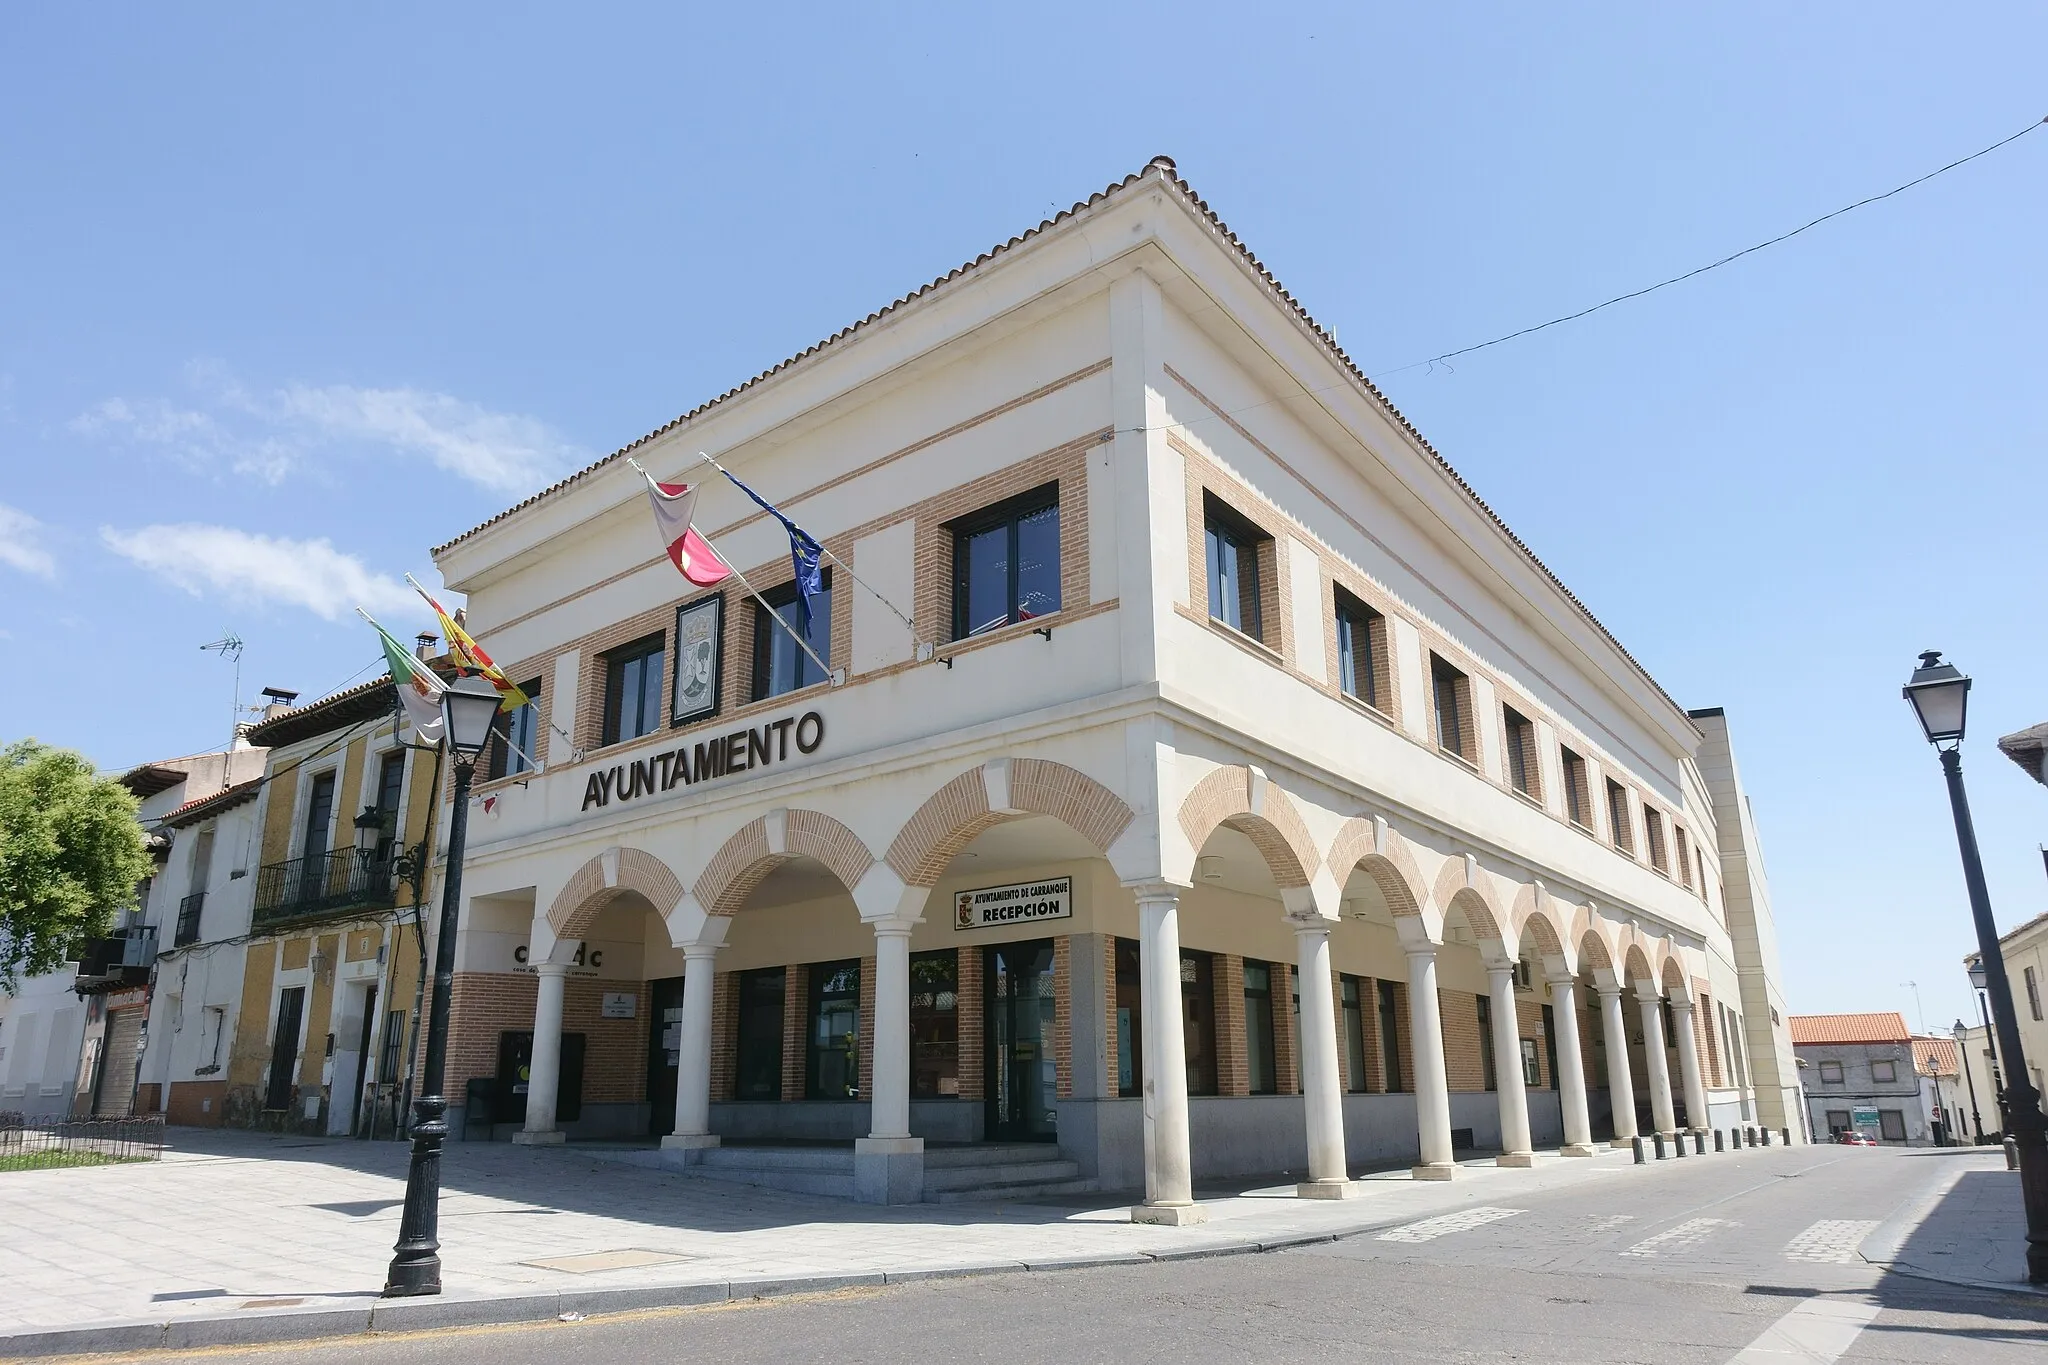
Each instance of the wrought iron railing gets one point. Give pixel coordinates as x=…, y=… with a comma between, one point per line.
x=345, y=879
x=38, y=1144
x=188, y=919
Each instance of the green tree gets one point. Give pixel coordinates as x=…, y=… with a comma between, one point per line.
x=71, y=854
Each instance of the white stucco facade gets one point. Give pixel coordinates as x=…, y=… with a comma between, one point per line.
x=1504, y=819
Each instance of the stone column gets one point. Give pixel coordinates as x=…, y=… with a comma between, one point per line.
x=1689, y=1065
x=1169, y=1163
x=544, y=1070
x=1515, y=1147
x=693, y=1059
x=1654, y=1061
x=1621, y=1090
x=888, y=1164
x=1432, y=1088
x=1571, y=1067
x=1322, y=1092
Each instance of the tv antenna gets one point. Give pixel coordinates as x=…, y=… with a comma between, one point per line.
x=229, y=647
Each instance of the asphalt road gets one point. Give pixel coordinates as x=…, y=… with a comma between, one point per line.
x=1750, y=1258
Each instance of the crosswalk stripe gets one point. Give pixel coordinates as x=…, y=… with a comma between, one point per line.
x=1831, y=1241
x=1677, y=1238
x=1429, y=1229
x=1817, y=1332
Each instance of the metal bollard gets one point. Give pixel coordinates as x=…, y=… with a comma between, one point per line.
x=2012, y=1154
x=1657, y=1141
x=1748, y=1136
x=1719, y=1146
x=1637, y=1144
x=1678, y=1144
x=1699, y=1143
x=1786, y=1134
x=1763, y=1137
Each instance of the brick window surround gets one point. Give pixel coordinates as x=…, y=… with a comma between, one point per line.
x=1578, y=796
x=1364, y=667
x=1451, y=710
x=1524, y=771
x=1622, y=827
x=1241, y=571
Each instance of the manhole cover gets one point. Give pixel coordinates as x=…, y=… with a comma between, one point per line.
x=628, y=1259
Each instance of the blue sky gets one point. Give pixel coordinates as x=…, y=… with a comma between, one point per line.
x=288, y=297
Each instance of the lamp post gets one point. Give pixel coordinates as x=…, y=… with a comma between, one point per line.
x=1980, y=983
x=1969, y=1079
x=1940, y=697
x=469, y=705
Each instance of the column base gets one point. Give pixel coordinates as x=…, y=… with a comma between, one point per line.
x=554, y=1137
x=1623, y=1144
x=686, y=1149
x=1326, y=1189
x=888, y=1170
x=1578, y=1149
x=1434, y=1170
x=1521, y=1160
x=1169, y=1215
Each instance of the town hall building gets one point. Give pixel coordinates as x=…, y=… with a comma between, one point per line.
x=1240, y=796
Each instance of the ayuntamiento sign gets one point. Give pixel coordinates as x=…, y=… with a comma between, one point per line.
x=1024, y=903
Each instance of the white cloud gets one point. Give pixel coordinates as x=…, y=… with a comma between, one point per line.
x=270, y=435
x=259, y=569
x=20, y=535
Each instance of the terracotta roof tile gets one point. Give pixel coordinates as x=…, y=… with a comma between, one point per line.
x=1937, y=1057
x=1168, y=174
x=1885, y=1027
x=218, y=801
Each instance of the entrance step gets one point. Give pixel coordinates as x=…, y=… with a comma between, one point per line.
x=997, y=1175
x=1025, y=1193
x=800, y=1170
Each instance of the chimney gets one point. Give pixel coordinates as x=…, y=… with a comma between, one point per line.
x=423, y=645
x=279, y=703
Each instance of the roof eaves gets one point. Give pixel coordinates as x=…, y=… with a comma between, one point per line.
x=214, y=804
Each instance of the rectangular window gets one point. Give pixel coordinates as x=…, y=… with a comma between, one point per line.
x=1452, y=693
x=1617, y=817
x=1261, y=1072
x=757, y=1061
x=1653, y=835
x=2033, y=993
x=780, y=664
x=1522, y=767
x=517, y=747
x=319, y=815
x=1130, y=1013
x=1390, y=1048
x=1891, y=1125
x=1351, y=993
x=935, y=1024
x=1532, y=1071
x=394, y=1047
x=1550, y=1044
x=1838, y=1121
x=1236, y=551
x=834, y=1070
x=1830, y=1073
x=1198, y=1007
x=1362, y=669
x=1578, y=800
x=1006, y=563
x=632, y=689
x=1684, y=854
x=1486, y=1059
x=1884, y=1072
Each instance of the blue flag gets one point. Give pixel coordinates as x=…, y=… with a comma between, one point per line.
x=804, y=551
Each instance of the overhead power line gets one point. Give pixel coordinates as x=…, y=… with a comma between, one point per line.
x=1715, y=265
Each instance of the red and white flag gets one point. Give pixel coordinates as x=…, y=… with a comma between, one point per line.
x=674, y=504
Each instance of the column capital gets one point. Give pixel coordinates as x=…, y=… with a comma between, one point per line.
x=1555, y=979
x=1496, y=974
x=699, y=952
x=551, y=968
x=896, y=926
x=1319, y=928
x=1156, y=890
x=1420, y=950
x=1681, y=1004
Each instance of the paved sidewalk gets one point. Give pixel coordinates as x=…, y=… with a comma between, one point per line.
x=249, y=1237
x=1967, y=1228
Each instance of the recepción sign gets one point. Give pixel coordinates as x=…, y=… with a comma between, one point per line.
x=1026, y=902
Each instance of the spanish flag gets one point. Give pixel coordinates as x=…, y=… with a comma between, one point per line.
x=470, y=656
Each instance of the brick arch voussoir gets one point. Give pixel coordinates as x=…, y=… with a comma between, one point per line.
x=1536, y=928
x=931, y=836
x=1044, y=787
x=587, y=892
x=1478, y=913
x=1594, y=952
x=1223, y=798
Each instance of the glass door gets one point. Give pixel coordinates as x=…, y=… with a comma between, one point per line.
x=1021, y=1069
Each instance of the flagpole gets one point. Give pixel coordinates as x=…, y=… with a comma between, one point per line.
x=826, y=551
x=801, y=642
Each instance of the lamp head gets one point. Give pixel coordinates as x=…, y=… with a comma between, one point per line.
x=1940, y=695
x=1979, y=976
x=469, y=706
x=369, y=829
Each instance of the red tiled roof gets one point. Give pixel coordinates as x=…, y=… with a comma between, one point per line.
x=1886, y=1027
x=1937, y=1057
x=1168, y=174
x=217, y=801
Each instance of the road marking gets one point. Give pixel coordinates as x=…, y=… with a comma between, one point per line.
x=1429, y=1229
x=1677, y=1238
x=1816, y=1332
x=1612, y=1222
x=1831, y=1241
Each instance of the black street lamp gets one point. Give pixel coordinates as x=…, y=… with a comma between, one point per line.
x=469, y=705
x=1940, y=697
x=1980, y=982
x=1969, y=1079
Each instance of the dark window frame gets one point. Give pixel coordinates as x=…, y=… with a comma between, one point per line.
x=1128, y=1009
x=748, y=1049
x=1578, y=788
x=1011, y=512
x=1621, y=829
x=1524, y=773
x=1489, y=1065
x=1351, y=1004
x=1390, y=1039
x=1261, y=1042
x=1449, y=683
x=1198, y=1007
x=934, y=1057
x=1355, y=619
x=766, y=629
x=616, y=663
x=521, y=728
x=816, y=1052
x=1252, y=555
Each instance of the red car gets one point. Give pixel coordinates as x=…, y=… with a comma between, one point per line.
x=1849, y=1137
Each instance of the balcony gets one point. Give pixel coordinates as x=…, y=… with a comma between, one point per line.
x=323, y=885
x=188, y=919
x=118, y=961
